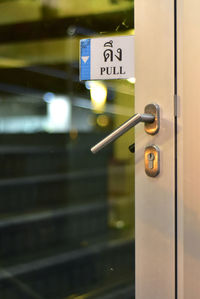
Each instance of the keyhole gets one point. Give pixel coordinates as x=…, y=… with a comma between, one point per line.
x=150, y=158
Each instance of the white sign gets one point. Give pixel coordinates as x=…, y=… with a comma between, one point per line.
x=107, y=58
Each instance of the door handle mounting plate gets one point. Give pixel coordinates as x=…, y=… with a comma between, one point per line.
x=153, y=127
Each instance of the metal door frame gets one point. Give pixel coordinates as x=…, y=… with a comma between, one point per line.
x=188, y=74
x=155, y=197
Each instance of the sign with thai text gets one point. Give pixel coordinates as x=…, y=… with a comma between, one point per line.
x=107, y=58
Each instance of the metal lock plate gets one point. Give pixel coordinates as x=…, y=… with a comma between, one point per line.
x=153, y=127
x=152, y=160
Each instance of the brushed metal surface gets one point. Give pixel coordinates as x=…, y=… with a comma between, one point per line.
x=132, y=122
x=152, y=128
x=155, y=259
x=188, y=149
x=152, y=160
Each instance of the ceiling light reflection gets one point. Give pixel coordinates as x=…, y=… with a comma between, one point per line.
x=98, y=93
x=131, y=80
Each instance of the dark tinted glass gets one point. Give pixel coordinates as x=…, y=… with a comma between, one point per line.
x=66, y=216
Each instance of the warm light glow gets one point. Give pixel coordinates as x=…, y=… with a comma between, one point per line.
x=103, y=120
x=73, y=134
x=131, y=80
x=98, y=93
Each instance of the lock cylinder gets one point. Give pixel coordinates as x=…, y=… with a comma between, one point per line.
x=152, y=160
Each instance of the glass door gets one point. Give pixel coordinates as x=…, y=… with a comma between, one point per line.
x=67, y=226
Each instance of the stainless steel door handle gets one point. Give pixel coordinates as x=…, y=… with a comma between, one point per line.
x=150, y=118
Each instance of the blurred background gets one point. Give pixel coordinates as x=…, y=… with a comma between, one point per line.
x=66, y=216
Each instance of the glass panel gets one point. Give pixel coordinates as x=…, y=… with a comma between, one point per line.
x=67, y=216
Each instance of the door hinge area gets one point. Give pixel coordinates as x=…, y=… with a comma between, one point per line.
x=176, y=105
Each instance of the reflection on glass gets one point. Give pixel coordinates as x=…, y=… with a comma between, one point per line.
x=67, y=217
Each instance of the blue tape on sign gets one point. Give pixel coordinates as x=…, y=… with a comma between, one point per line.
x=85, y=59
